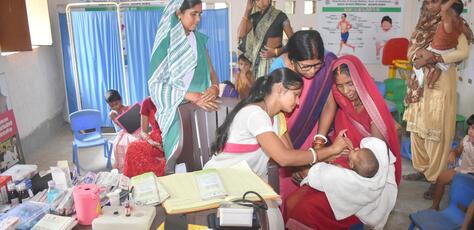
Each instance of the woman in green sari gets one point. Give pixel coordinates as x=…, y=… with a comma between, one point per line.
x=260, y=34
x=180, y=69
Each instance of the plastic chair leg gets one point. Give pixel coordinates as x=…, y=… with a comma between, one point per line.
x=75, y=158
x=107, y=154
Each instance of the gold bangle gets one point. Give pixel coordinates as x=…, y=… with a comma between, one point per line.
x=245, y=18
x=276, y=51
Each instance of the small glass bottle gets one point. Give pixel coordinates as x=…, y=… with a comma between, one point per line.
x=23, y=193
x=12, y=194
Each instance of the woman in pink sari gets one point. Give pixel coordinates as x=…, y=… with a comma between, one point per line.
x=363, y=112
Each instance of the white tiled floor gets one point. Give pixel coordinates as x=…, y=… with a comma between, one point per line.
x=59, y=148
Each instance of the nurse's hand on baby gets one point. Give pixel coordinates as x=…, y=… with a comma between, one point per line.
x=341, y=146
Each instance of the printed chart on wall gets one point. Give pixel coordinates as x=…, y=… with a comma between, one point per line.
x=10, y=147
x=359, y=27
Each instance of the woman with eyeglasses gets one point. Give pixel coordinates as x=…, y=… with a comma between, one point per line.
x=305, y=54
x=362, y=111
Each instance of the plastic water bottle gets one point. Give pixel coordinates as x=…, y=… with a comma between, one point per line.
x=52, y=192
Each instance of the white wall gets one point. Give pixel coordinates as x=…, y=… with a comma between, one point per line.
x=35, y=87
x=36, y=84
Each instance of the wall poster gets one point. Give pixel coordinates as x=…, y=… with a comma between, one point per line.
x=10, y=147
x=359, y=27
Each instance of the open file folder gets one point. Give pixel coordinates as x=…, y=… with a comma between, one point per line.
x=185, y=195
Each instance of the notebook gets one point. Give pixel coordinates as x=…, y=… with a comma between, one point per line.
x=53, y=222
x=185, y=194
x=130, y=119
x=147, y=190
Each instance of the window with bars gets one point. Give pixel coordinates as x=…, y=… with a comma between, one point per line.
x=309, y=7
x=290, y=7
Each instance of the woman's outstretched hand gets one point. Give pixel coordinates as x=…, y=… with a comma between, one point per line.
x=341, y=143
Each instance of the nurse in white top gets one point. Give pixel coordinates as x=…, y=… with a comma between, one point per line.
x=247, y=133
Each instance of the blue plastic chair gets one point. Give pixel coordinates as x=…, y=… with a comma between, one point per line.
x=461, y=194
x=406, y=148
x=81, y=123
x=381, y=87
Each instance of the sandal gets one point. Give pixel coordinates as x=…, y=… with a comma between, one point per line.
x=428, y=195
x=415, y=177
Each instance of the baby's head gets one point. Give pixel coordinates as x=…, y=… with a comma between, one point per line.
x=364, y=162
x=454, y=10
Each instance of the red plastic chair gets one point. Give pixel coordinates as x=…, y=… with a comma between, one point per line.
x=394, y=49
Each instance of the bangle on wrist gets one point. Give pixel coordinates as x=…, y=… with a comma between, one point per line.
x=315, y=156
x=276, y=51
x=322, y=137
x=245, y=18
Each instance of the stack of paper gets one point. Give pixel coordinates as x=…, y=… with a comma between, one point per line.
x=53, y=222
x=209, y=184
x=147, y=190
x=186, y=197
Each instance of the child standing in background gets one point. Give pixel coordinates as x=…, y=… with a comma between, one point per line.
x=123, y=139
x=244, y=78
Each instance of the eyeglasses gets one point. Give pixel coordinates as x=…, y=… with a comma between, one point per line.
x=432, y=1
x=306, y=68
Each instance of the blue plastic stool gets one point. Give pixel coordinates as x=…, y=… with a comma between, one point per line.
x=461, y=194
x=381, y=87
x=358, y=226
x=81, y=122
x=406, y=148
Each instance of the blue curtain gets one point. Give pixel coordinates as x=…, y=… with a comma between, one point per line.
x=215, y=24
x=68, y=75
x=98, y=53
x=140, y=30
x=96, y=37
